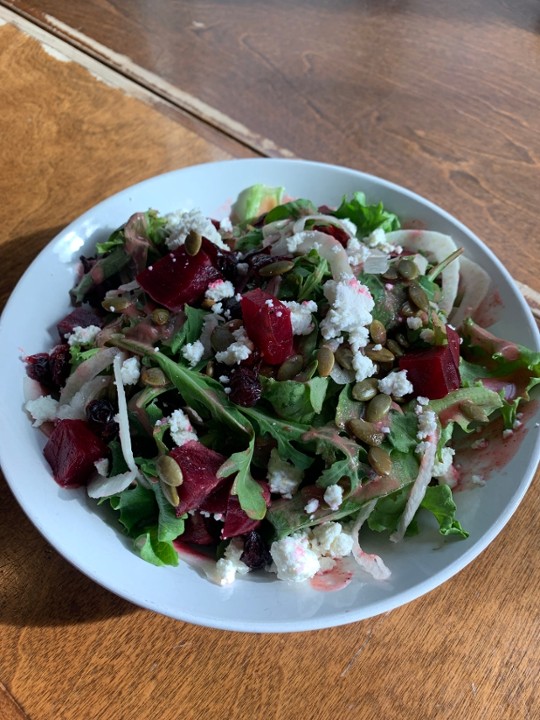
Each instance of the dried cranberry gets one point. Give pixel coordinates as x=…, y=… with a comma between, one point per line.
x=256, y=554
x=100, y=418
x=245, y=386
x=38, y=368
x=233, y=307
x=60, y=364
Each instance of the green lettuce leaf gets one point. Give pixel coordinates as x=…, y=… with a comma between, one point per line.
x=248, y=490
x=293, y=400
x=155, y=551
x=367, y=217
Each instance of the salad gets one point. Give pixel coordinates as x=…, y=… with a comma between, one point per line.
x=264, y=387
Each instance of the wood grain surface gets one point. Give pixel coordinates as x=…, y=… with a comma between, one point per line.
x=71, y=133
x=439, y=96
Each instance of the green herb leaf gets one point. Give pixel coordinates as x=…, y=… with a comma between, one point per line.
x=190, y=330
x=285, y=432
x=367, y=217
x=290, y=210
x=153, y=550
x=248, y=490
x=295, y=400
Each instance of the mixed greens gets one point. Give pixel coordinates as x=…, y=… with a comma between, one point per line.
x=264, y=386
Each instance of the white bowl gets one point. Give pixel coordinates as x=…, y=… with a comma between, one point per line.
x=91, y=541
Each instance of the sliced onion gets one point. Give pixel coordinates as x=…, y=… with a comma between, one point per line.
x=376, y=263
x=123, y=419
x=370, y=562
x=101, y=486
x=300, y=224
x=86, y=371
x=475, y=282
x=327, y=246
x=419, y=487
x=436, y=246
x=75, y=409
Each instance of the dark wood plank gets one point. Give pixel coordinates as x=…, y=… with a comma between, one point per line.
x=441, y=97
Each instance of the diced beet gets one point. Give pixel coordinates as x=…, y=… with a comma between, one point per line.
x=196, y=531
x=71, y=451
x=80, y=317
x=432, y=372
x=216, y=502
x=336, y=232
x=268, y=324
x=178, y=278
x=454, y=343
x=237, y=522
x=199, y=466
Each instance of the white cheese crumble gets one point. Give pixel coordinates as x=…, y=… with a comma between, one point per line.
x=130, y=371
x=441, y=467
x=180, y=223
x=219, y=290
x=225, y=570
x=239, y=350
x=351, y=304
x=329, y=540
x=301, y=315
x=357, y=252
x=102, y=466
x=333, y=496
x=42, y=409
x=193, y=352
x=83, y=335
x=395, y=383
x=294, y=559
x=415, y=323
x=311, y=506
x=283, y=477
x=225, y=225
x=181, y=428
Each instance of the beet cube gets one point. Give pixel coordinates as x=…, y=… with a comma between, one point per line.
x=178, y=278
x=196, y=531
x=268, y=324
x=199, y=466
x=80, y=317
x=237, y=522
x=71, y=451
x=432, y=372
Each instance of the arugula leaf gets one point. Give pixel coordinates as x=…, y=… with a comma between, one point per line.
x=366, y=217
x=387, y=302
x=248, y=490
x=305, y=280
x=169, y=526
x=284, y=432
x=251, y=240
x=330, y=445
x=137, y=509
x=155, y=551
x=78, y=355
x=439, y=501
x=293, y=400
x=190, y=330
x=347, y=408
x=115, y=239
x=104, y=268
x=403, y=430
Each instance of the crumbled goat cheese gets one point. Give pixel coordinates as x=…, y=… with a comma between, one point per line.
x=42, y=409
x=193, y=352
x=377, y=239
x=283, y=477
x=181, y=428
x=351, y=304
x=442, y=466
x=130, y=371
x=225, y=225
x=83, y=336
x=357, y=252
x=477, y=480
x=330, y=540
x=415, y=323
x=427, y=335
x=301, y=319
x=226, y=568
x=239, y=350
x=427, y=424
x=311, y=506
x=294, y=559
x=395, y=383
x=180, y=223
x=219, y=290
x=333, y=496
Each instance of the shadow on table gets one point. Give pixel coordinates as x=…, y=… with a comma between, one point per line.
x=37, y=586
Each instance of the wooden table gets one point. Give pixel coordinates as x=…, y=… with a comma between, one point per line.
x=443, y=98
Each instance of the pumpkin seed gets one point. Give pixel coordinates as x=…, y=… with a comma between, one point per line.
x=391, y=273
x=418, y=297
x=382, y=356
x=377, y=332
x=291, y=367
x=380, y=460
x=207, y=303
x=378, y=407
x=115, y=304
x=402, y=340
x=408, y=269
x=209, y=369
x=394, y=347
x=171, y=494
x=169, y=471
x=474, y=412
x=308, y=372
x=344, y=356
x=160, y=316
x=193, y=242
x=365, y=431
x=365, y=389
x=153, y=377
x=233, y=325
x=407, y=309
x=221, y=338
x=280, y=267
x=325, y=360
